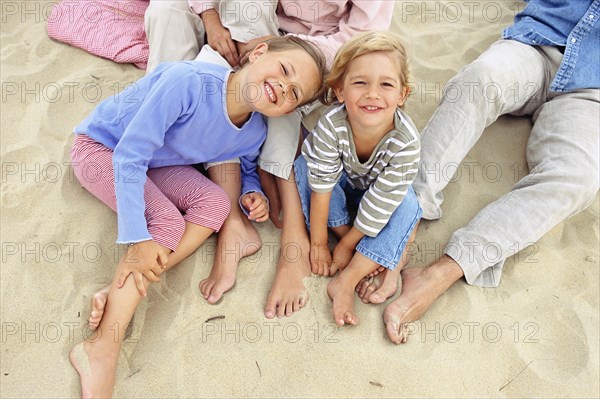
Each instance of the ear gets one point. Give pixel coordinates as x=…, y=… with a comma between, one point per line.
x=403, y=95
x=258, y=51
x=339, y=93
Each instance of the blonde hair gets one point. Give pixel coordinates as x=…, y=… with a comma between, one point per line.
x=361, y=44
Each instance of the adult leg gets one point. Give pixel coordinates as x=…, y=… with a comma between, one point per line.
x=563, y=153
x=287, y=294
x=249, y=20
x=510, y=77
x=237, y=238
x=174, y=32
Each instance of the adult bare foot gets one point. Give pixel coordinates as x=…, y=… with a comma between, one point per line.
x=342, y=296
x=237, y=239
x=420, y=288
x=288, y=294
x=379, y=288
x=96, y=373
x=97, y=307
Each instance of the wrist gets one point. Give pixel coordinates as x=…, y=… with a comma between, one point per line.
x=318, y=243
x=209, y=16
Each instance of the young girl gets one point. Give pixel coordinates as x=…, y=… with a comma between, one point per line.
x=134, y=150
x=363, y=156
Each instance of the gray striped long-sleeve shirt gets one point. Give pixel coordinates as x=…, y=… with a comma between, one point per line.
x=386, y=176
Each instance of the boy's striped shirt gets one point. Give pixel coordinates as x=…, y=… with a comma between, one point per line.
x=386, y=176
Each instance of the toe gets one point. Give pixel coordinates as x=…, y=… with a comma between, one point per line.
x=350, y=318
x=296, y=305
x=281, y=309
x=270, y=308
x=214, y=295
x=289, y=308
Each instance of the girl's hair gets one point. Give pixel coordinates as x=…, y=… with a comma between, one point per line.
x=361, y=44
x=284, y=43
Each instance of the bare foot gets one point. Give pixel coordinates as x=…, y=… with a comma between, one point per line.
x=379, y=288
x=342, y=296
x=376, y=271
x=420, y=288
x=237, y=239
x=96, y=373
x=97, y=307
x=288, y=294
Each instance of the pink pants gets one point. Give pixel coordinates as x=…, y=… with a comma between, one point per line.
x=169, y=192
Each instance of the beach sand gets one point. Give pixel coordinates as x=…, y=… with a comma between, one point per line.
x=535, y=335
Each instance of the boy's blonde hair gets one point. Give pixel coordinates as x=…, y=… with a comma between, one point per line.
x=284, y=43
x=361, y=44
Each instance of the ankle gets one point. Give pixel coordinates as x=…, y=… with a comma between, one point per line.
x=445, y=269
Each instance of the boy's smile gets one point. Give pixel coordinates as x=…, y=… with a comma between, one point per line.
x=372, y=94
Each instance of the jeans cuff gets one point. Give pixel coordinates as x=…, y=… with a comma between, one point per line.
x=339, y=222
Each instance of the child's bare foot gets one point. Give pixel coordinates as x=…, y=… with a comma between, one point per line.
x=420, y=288
x=288, y=294
x=342, y=296
x=376, y=271
x=236, y=240
x=97, y=307
x=379, y=288
x=96, y=373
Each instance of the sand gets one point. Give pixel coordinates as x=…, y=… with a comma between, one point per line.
x=535, y=335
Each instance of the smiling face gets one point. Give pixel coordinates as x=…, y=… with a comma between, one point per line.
x=276, y=82
x=372, y=94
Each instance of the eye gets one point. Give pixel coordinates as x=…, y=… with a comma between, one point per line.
x=284, y=69
x=359, y=82
x=387, y=84
x=295, y=93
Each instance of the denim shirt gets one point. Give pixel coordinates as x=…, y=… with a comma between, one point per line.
x=570, y=24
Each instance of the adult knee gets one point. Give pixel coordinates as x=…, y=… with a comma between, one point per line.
x=161, y=16
x=575, y=184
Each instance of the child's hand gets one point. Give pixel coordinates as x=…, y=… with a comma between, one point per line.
x=320, y=258
x=342, y=255
x=143, y=259
x=257, y=205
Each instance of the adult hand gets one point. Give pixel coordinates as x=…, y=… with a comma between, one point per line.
x=219, y=38
x=257, y=206
x=143, y=259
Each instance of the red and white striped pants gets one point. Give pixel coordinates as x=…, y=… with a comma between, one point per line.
x=169, y=192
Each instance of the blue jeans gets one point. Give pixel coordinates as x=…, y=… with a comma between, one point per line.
x=387, y=247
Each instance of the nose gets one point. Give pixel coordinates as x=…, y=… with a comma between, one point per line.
x=373, y=92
